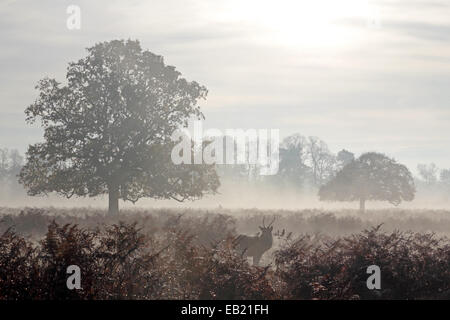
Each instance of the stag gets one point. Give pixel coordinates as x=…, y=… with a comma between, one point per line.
x=255, y=246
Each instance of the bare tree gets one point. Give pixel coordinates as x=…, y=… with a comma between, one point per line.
x=445, y=178
x=428, y=173
x=4, y=162
x=11, y=161
x=321, y=160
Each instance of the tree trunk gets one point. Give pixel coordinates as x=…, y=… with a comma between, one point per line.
x=113, y=196
x=362, y=205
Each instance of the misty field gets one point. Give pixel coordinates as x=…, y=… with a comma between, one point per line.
x=190, y=254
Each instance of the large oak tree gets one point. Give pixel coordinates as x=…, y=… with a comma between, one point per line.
x=373, y=176
x=108, y=129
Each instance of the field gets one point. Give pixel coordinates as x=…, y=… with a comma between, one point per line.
x=190, y=254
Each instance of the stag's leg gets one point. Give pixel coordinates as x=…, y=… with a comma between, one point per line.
x=256, y=260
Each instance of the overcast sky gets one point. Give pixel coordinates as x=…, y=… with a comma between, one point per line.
x=364, y=76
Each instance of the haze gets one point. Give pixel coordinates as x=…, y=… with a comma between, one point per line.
x=361, y=75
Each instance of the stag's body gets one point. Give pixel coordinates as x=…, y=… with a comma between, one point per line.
x=255, y=246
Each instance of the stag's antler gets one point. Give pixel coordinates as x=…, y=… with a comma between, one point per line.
x=263, y=222
x=272, y=222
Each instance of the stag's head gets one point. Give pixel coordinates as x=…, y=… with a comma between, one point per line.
x=266, y=231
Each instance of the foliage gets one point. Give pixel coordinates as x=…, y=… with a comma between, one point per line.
x=413, y=266
x=373, y=176
x=192, y=257
x=108, y=131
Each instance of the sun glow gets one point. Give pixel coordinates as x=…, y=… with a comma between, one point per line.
x=302, y=22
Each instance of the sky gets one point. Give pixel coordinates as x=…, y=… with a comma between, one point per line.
x=361, y=75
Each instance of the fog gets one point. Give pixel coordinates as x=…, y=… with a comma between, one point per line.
x=224, y=150
x=233, y=196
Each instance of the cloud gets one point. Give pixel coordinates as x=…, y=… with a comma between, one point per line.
x=425, y=31
x=387, y=87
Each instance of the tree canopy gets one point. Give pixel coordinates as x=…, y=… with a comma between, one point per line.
x=108, y=130
x=373, y=176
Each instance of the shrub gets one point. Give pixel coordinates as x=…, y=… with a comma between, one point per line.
x=168, y=255
x=413, y=266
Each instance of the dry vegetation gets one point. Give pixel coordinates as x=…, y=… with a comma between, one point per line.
x=188, y=254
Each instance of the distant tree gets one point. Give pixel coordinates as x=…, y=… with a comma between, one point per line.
x=292, y=167
x=237, y=172
x=428, y=173
x=108, y=131
x=11, y=162
x=445, y=177
x=345, y=157
x=373, y=176
x=4, y=163
x=16, y=163
x=321, y=161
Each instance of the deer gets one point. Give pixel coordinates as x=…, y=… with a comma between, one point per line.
x=255, y=246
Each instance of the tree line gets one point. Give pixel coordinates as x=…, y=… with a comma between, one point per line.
x=108, y=131
x=11, y=162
